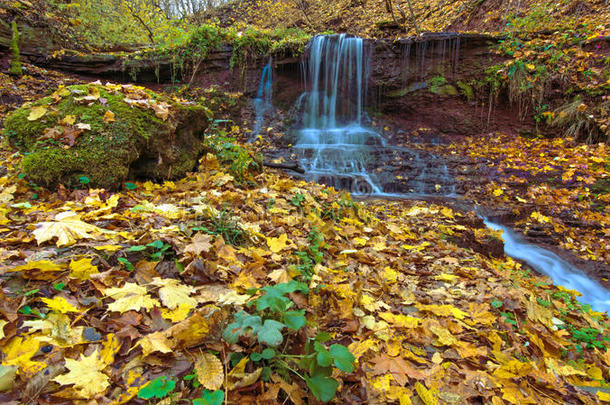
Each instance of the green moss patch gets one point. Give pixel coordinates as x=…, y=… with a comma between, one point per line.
x=106, y=134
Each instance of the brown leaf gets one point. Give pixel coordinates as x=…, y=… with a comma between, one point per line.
x=200, y=243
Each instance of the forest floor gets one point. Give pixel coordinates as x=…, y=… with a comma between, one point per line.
x=118, y=297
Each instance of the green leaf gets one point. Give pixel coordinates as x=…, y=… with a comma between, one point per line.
x=323, y=388
x=59, y=286
x=137, y=248
x=324, y=358
x=210, y=398
x=84, y=180
x=270, y=333
x=130, y=186
x=243, y=323
x=157, y=388
x=322, y=337
x=156, y=244
x=344, y=360
x=268, y=353
x=127, y=263
x=27, y=310
x=295, y=320
x=31, y=292
x=496, y=303
x=256, y=357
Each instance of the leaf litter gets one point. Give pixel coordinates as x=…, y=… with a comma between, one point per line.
x=124, y=296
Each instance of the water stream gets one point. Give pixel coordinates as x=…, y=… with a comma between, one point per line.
x=560, y=271
x=336, y=147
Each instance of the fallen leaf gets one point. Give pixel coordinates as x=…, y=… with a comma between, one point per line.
x=37, y=113
x=86, y=375
x=209, y=371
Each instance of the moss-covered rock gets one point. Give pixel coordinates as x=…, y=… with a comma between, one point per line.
x=106, y=134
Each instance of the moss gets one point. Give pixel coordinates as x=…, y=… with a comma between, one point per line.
x=16, y=60
x=23, y=134
x=107, y=153
x=466, y=90
x=439, y=86
x=446, y=90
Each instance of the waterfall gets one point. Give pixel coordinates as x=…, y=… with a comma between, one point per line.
x=263, y=100
x=333, y=145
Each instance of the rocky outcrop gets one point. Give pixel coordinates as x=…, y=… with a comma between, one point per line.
x=102, y=135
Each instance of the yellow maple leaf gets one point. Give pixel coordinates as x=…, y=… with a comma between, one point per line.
x=130, y=297
x=108, y=117
x=40, y=265
x=19, y=352
x=86, y=375
x=603, y=396
x=2, y=324
x=59, y=304
x=445, y=337
x=37, y=113
x=82, y=269
x=498, y=192
x=110, y=348
x=400, y=321
x=210, y=372
x=68, y=120
x=173, y=293
x=67, y=228
x=512, y=369
x=449, y=278
x=278, y=244
x=177, y=314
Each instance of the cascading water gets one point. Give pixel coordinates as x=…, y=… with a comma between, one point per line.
x=263, y=101
x=561, y=272
x=333, y=146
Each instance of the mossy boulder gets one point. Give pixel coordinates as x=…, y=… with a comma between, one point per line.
x=104, y=135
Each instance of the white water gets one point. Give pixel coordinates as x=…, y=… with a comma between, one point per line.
x=560, y=271
x=333, y=146
x=263, y=101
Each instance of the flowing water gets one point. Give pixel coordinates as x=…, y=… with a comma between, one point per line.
x=263, y=101
x=337, y=148
x=560, y=271
x=335, y=145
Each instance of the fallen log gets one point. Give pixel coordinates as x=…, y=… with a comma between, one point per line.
x=294, y=166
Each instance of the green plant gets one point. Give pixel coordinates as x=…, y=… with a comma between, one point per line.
x=337, y=210
x=588, y=338
x=16, y=57
x=308, y=258
x=210, y=398
x=297, y=200
x=157, y=388
x=273, y=314
x=128, y=265
x=240, y=162
x=156, y=250
x=225, y=225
